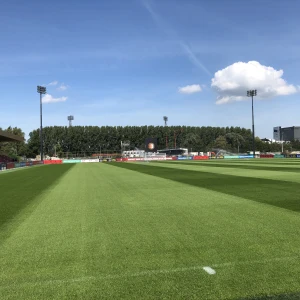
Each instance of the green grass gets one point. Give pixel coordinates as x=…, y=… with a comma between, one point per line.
x=146, y=230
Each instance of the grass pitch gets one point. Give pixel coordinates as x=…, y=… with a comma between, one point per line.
x=145, y=231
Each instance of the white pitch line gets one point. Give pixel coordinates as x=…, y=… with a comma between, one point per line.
x=209, y=270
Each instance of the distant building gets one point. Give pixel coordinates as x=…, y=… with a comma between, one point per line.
x=287, y=133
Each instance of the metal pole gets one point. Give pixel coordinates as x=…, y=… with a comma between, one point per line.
x=174, y=139
x=253, y=134
x=41, y=128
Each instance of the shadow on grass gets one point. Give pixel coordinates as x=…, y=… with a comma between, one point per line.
x=274, y=192
x=20, y=187
x=235, y=166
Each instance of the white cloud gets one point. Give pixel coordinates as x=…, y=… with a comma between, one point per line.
x=50, y=99
x=190, y=89
x=53, y=83
x=232, y=83
x=62, y=87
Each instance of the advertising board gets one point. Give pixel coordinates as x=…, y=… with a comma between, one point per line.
x=53, y=162
x=197, y=157
x=231, y=157
x=266, y=155
x=71, y=161
x=184, y=157
x=90, y=160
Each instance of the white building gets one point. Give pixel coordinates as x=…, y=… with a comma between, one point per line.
x=133, y=153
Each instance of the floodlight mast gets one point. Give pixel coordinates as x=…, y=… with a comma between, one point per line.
x=252, y=93
x=70, y=119
x=165, y=118
x=41, y=90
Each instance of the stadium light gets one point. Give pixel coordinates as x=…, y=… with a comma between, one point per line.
x=166, y=124
x=70, y=119
x=166, y=120
x=41, y=90
x=252, y=93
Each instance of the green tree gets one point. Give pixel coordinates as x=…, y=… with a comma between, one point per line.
x=86, y=140
x=236, y=140
x=221, y=142
x=191, y=141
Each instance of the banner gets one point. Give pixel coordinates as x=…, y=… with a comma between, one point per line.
x=266, y=155
x=89, y=160
x=71, y=161
x=10, y=165
x=231, y=156
x=197, y=157
x=53, y=162
x=184, y=157
x=245, y=156
x=279, y=156
x=13, y=165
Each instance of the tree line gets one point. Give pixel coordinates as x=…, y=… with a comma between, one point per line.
x=86, y=140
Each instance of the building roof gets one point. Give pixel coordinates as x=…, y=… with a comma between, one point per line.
x=7, y=137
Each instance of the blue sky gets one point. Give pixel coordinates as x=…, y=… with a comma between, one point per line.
x=123, y=62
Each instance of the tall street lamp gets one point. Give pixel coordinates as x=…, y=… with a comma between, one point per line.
x=252, y=93
x=41, y=90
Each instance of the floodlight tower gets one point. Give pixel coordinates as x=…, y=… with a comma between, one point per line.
x=166, y=120
x=41, y=90
x=252, y=93
x=166, y=124
x=70, y=119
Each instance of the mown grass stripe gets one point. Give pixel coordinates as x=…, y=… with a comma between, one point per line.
x=295, y=169
x=18, y=189
x=274, y=192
